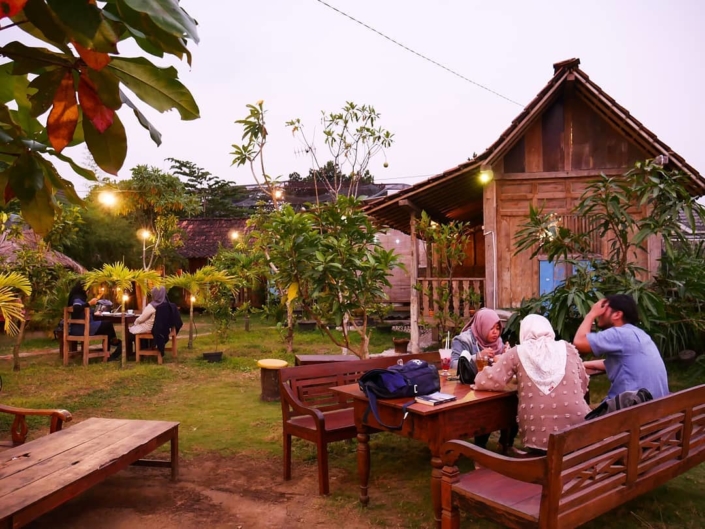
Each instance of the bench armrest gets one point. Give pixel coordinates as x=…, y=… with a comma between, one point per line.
x=530, y=470
x=19, y=425
x=289, y=400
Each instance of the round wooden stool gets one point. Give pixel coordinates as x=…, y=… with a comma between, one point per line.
x=269, y=372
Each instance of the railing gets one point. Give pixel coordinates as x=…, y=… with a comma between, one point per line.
x=465, y=294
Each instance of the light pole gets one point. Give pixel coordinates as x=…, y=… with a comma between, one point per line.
x=144, y=234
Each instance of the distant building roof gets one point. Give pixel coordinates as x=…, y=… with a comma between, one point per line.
x=202, y=237
x=699, y=233
x=9, y=247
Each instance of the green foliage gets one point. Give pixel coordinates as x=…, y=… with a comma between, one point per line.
x=78, y=85
x=11, y=306
x=352, y=141
x=670, y=306
x=445, y=245
x=216, y=196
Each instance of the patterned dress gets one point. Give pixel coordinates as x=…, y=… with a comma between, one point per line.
x=540, y=414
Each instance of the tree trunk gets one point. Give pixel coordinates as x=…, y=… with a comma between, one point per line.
x=16, y=347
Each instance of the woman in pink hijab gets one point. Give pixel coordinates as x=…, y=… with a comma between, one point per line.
x=483, y=335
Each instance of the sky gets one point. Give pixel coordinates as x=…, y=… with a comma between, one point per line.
x=302, y=57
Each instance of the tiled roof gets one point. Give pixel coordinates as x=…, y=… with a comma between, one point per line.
x=202, y=237
x=699, y=232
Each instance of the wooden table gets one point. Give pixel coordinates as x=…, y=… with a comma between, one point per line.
x=473, y=413
x=117, y=318
x=40, y=475
x=304, y=360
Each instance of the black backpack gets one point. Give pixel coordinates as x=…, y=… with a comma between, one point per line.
x=416, y=377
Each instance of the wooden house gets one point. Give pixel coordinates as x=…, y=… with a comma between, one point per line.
x=570, y=133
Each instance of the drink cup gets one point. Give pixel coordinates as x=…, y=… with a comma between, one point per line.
x=130, y=311
x=445, y=364
x=445, y=359
x=481, y=361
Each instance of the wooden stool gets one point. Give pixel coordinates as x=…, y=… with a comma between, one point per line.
x=269, y=373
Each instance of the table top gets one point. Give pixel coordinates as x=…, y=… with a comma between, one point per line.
x=465, y=395
x=114, y=316
x=35, y=468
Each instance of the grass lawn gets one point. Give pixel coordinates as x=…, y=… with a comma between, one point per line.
x=219, y=410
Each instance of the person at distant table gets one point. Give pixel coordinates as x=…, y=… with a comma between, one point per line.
x=78, y=299
x=631, y=359
x=145, y=321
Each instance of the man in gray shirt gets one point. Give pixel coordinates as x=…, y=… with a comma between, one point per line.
x=631, y=358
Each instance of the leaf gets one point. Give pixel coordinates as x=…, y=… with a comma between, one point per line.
x=55, y=179
x=107, y=86
x=93, y=108
x=39, y=211
x=94, y=59
x=109, y=148
x=43, y=24
x=84, y=23
x=158, y=87
x=32, y=60
x=25, y=176
x=148, y=35
x=85, y=173
x=153, y=132
x=9, y=8
x=62, y=120
x=46, y=86
x=167, y=14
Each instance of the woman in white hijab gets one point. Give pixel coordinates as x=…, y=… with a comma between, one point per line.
x=145, y=321
x=551, y=382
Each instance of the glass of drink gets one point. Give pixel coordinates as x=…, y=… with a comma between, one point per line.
x=445, y=365
x=481, y=361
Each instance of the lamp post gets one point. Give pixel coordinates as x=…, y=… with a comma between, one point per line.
x=144, y=234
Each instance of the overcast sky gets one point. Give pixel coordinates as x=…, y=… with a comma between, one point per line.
x=301, y=57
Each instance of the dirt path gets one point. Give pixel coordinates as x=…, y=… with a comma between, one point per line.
x=213, y=492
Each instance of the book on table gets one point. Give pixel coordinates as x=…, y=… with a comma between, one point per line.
x=434, y=399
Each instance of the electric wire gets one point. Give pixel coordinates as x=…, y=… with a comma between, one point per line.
x=436, y=63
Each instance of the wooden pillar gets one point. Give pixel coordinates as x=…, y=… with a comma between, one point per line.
x=489, y=230
x=413, y=279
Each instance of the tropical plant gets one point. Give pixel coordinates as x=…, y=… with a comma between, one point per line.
x=198, y=285
x=625, y=211
x=11, y=305
x=218, y=301
x=78, y=84
x=445, y=245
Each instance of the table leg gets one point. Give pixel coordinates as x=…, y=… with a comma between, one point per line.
x=363, y=464
x=175, y=454
x=436, y=475
x=126, y=339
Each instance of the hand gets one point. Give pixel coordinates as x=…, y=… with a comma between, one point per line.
x=93, y=301
x=487, y=352
x=598, y=308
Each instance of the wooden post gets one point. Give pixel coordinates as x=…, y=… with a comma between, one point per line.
x=414, y=294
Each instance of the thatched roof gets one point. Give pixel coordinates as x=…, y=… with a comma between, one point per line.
x=9, y=247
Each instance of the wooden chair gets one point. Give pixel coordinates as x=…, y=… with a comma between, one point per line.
x=153, y=351
x=19, y=425
x=84, y=339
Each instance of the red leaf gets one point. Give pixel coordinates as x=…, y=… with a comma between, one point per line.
x=94, y=59
x=9, y=193
x=93, y=108
x=9, y=8
x=63, y=117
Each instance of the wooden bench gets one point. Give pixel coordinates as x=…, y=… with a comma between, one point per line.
x=588, y=469
x=311, y=410
x=19, y=428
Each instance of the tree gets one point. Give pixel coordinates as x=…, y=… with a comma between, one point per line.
x=78, y=83
x=326, y=258
x=217, y=197
x=154, y=200
x=12, y=308
x=666, y=309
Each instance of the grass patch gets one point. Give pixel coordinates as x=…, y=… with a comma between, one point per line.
x=219, y=410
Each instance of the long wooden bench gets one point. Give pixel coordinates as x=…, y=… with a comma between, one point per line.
x=311, y=410
x=588, y=469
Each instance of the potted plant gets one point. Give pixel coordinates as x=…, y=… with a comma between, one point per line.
x=218, y=304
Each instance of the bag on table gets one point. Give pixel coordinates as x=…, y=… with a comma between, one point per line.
x=467, y=369
x=416, y=377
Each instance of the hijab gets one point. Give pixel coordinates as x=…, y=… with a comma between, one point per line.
x=77, y=292
x=158, y=296
x=543, y=358
x=481, y=325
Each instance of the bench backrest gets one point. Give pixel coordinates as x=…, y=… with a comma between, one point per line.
x=610, y=460
x=310, y=385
